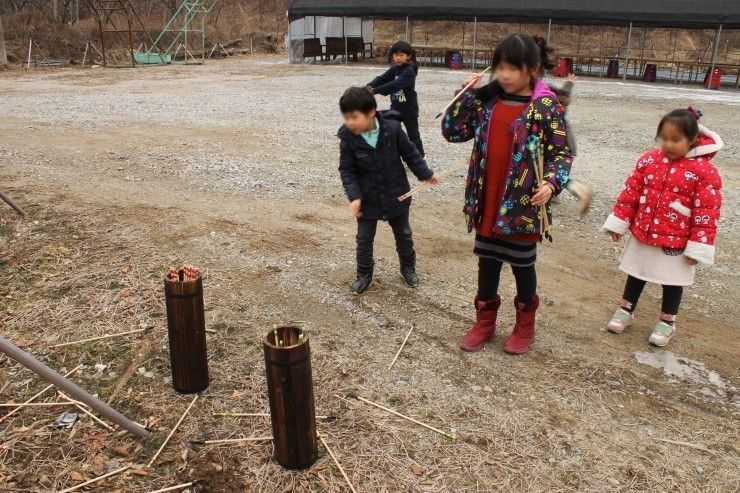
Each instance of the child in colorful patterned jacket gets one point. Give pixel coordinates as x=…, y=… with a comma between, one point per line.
x=518, y=127
x=671, y=204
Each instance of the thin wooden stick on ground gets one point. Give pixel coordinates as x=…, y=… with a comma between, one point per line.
x=684, y=444
x=173, y=431
x=401, y=348
x=176, y=487
x=30, y=400
x=106, y=336
x=80, y=405
x=344, y=474
x=233, y=440
x=445, y=433
x=457, y=96
x=38, y=404
x=95, y=480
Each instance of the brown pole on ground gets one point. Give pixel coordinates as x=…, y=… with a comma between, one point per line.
x=290, y=390
x=70, y=388
x=12, y=204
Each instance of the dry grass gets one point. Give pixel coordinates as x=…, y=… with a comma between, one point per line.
x=82, y=272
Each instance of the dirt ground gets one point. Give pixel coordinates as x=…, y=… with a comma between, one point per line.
x=232, y=166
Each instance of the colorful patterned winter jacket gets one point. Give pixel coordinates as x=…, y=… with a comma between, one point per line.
x=542, y=119
x=673, y=204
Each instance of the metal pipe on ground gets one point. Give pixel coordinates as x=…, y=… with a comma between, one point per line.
x=70, y=388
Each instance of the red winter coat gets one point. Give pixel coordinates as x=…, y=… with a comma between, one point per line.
x=674, y=204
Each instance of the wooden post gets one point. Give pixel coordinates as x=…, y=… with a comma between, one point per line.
x=627, y=54
x=187, y=334
x=549, y=27
x=70, y=388
x=344, y=34
x=3, y=55
x=290, y=390
x=714, y=56
x=475, y=39
x=407, y=29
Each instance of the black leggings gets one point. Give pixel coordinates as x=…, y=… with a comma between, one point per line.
x=633, y=289
x=489, y=275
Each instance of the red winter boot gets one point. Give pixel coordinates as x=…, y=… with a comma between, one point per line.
x=485, y=328
x=523, y=334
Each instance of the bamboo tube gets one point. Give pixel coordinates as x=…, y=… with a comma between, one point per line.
x=38, y=394
x=106, y=336
x=70, y=388
x=401, y=348
x=233, y=440
x=173, y=431
x=447, y=434
x=344, y=474
x=457, y=96
x=95, y=480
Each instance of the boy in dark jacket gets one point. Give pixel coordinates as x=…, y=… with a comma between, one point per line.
x=399, y=82
x=372, y=145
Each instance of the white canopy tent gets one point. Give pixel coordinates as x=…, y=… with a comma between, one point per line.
x=320, y=28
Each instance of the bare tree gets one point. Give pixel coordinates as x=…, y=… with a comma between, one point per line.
x=3, y=55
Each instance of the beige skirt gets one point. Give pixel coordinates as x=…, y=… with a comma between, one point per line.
x=654, y=264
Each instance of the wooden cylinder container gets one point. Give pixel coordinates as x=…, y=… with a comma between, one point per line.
x=290, y=389
x=186, y=326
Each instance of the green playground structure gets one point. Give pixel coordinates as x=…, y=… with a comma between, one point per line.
x=188, y=20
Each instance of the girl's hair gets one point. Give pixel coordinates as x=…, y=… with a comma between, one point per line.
x=687, y=121
x=523, y=50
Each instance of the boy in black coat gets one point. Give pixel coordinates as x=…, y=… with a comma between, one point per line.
x=371, y=146
x=399, y=82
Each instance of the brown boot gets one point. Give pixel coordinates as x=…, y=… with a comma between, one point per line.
x=523, y=334
x=485, y=328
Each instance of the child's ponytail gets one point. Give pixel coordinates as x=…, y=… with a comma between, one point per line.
x=545, y=53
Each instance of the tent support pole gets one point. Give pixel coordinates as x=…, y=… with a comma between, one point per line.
x=344, y=34
x=549, y=27
x=475, y=39
x=407, y=28
x=714, y=52
x=627, y=54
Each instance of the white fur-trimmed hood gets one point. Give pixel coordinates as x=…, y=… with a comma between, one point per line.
x=708, y=144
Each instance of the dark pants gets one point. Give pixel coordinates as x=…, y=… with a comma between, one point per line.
x=489, y=275
x=412, y=130
x=366, y=236
x=671, y=295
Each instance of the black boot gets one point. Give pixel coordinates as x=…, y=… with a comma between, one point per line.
x=362, y=283
x=409, y=276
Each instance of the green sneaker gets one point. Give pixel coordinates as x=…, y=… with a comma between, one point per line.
x=662, y=334
x=622, y=320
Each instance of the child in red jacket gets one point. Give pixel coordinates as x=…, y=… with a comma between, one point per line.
x=671, y=204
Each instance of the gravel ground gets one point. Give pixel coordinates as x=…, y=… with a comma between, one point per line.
x=232, y=166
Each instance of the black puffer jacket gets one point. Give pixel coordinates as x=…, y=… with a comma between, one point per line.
x=377, y=176
x=399, y=82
